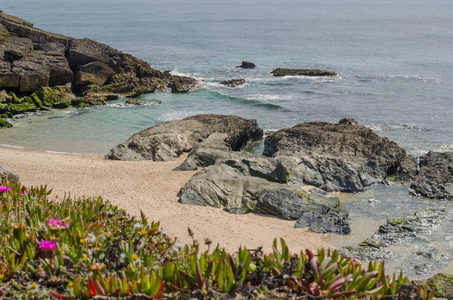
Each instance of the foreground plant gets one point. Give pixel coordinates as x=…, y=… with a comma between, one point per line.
x=87, y=248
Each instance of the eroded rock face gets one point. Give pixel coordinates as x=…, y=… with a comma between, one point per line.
x=168, y=140
x=31, y=58
x=302, y=72
x=335, y=157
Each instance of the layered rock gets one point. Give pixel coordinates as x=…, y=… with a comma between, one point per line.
x=168, y=140
x=31, y=58
x=237, y=187
x=233, y=82
x=335, y=157
x=303, y=72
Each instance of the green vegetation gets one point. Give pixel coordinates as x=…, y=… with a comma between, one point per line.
x=84, y=248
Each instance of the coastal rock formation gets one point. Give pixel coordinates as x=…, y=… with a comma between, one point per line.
x=399, y=231
x=247, y=65
x=430, y=175
x=168, y=140
x=31, y=58
x=335, y=157
x=235, y=186
x=8, y=175
x=302, y=72
x=233, y=82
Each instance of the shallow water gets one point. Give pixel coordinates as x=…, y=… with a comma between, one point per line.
x=393, y=58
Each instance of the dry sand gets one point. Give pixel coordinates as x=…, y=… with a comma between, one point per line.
x=152, y=187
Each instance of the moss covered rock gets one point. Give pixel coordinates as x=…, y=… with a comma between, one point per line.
x=443, y=284
x=55, y=97
x=5, y=124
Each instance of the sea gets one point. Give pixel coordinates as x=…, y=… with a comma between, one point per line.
x=394, y=62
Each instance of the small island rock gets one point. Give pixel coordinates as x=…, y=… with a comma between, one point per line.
x=302, y=72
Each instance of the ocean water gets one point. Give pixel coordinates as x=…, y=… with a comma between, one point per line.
x=394, y=60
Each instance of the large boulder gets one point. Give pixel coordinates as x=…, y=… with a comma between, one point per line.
x=168, y=140
x=246, y=65
x=335, y=157
x=231, y=184
x=96, y=73
x=302, y=72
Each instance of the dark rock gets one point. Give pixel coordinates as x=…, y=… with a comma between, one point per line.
x=247, y=65
x=334, y=221
x=96, y=73
x=31, y=58
x=135, y=101
x=8, y=175
x=437, y=166
x=443, y=284
x=409, y=292
x=302, y=72
x=233, y=82
x=407, y=169
x=334, y=157
x=431, y=189
x=168, y=140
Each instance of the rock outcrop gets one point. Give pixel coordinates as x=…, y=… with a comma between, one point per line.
x=31, y=58
x=8, y=175
x=247, y=65
x=236, y=185
x=303, y=72
x=233, y=82
x=429, y=175
x=335, y=157
x=168, y=140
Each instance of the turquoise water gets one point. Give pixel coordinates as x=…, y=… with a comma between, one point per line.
x=394, y=60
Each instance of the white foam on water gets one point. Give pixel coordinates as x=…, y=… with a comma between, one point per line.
x=56, y=152
x=11, y=146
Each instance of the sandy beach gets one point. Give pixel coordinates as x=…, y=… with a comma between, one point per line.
x=152, y=187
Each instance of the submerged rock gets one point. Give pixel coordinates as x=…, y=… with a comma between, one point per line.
x=168, y=140
x=233, y=82
x=302, y=72
x=335, y=157
x=135, y=101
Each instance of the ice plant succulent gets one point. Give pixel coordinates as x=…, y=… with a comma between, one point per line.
x=4, y=189
x=55, y=223
x=47, y=245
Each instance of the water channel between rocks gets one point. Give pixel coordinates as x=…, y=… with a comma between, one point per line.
x=419, y=257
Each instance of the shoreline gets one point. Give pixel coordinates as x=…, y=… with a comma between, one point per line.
x=152, y=187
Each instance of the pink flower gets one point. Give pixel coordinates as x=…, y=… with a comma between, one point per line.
x=47, y=245
x=55, y=223
x=4, y=189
